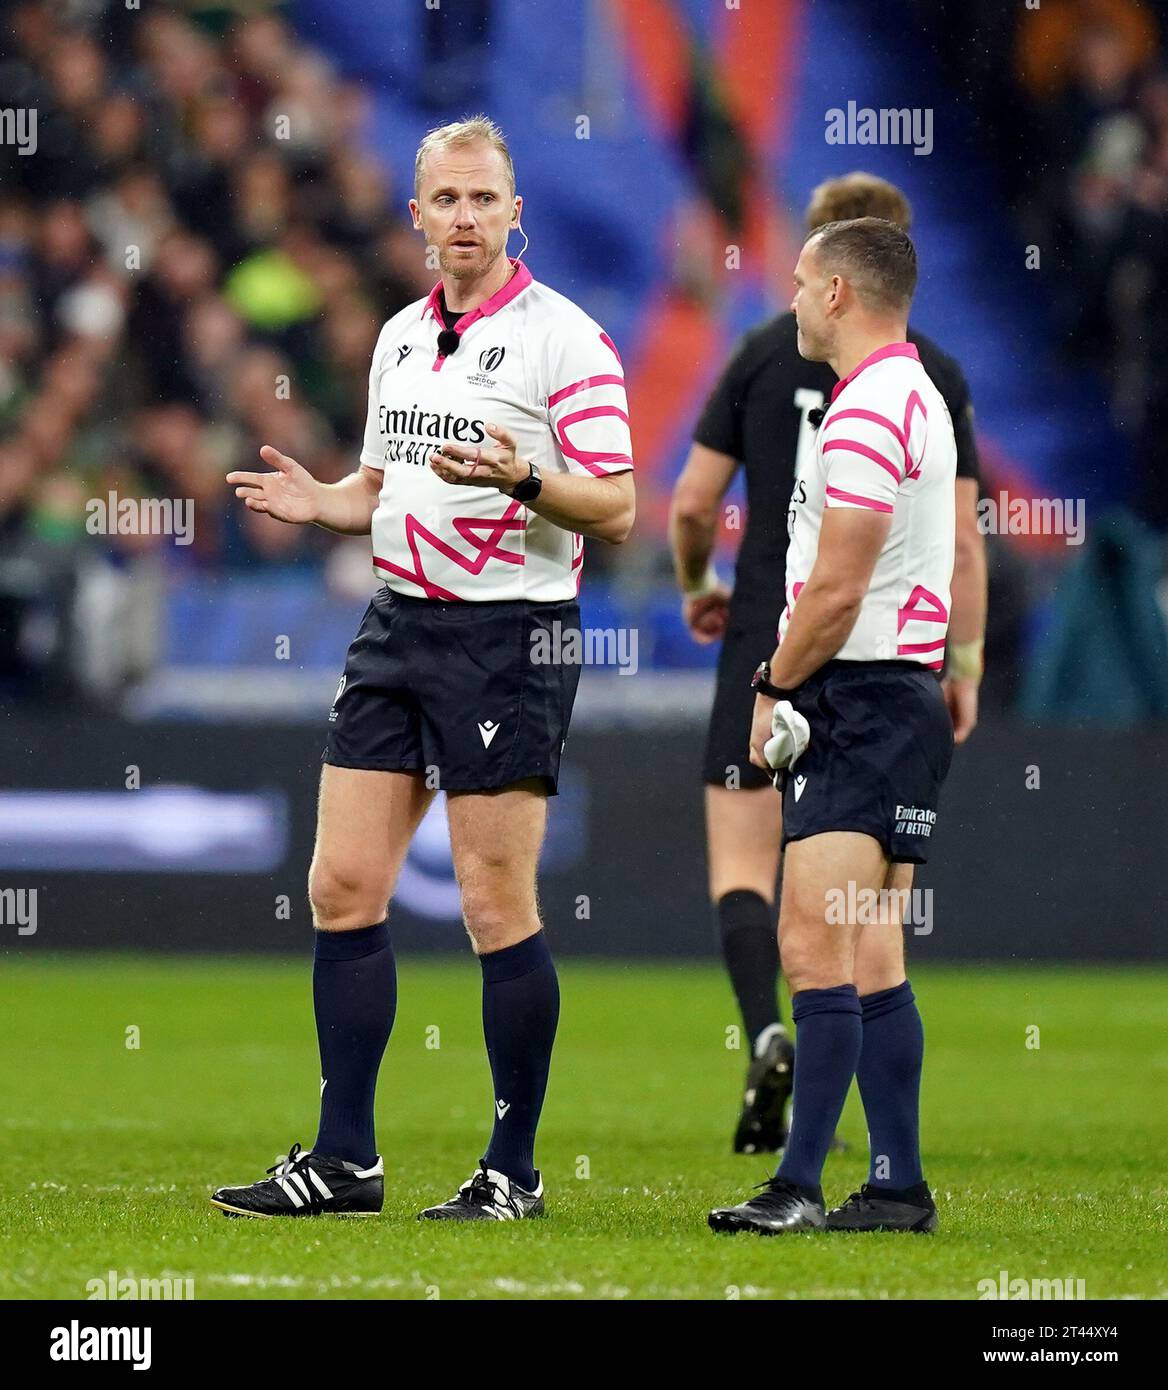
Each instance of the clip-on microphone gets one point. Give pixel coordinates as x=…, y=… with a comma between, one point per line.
x=448, y=339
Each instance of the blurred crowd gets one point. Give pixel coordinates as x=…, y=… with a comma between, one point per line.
x=195, y=260
x=198, y=255
x=1072, y=106
x=1097, y=72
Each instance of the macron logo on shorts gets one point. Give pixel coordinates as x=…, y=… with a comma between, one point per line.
x=800, y=786
x=487, y=732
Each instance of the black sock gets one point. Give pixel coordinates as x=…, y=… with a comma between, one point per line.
x=521, y=1006
x=889, y=1076
x=354, y=991
x=828, y=1035
x=750, y=945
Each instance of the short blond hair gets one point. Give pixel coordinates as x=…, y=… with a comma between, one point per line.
x=469, y=132
x=858, y=195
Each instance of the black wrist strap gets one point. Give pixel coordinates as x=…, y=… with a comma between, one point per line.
x=772, y=692
x=523, y=483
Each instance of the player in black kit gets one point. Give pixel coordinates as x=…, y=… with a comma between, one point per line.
x=761, y=416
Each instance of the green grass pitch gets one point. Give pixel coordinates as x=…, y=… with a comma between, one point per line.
x=1047, y=1161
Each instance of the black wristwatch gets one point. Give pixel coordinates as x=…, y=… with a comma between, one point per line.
x=760, y=683
x=530, y=488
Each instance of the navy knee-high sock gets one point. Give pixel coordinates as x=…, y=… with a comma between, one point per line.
x=750, y=946
x=827, y=1048
x=889, y=1075
x=521, y=1007
x=354, y=991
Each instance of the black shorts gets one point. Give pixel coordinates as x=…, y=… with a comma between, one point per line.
x=728, y=740
x=881, y=744
x=455, y=689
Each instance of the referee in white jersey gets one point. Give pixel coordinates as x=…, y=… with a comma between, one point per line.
x=850, y=712
x=497, y=438
x=761, y=418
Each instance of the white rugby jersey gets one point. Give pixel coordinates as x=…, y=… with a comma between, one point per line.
x=886, y=444
x=528, y=360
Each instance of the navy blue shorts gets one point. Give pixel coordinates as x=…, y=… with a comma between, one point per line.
x=881, y=744
x=727, y=755
x=456, y=690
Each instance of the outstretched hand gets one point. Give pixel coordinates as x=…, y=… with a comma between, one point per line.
x=290, y=493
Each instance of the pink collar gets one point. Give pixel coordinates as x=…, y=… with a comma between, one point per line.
x=892, y=350
x=499, y=300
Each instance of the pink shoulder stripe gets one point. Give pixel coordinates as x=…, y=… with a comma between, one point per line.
x=875, y=418
x=858, y=413
x=584, y=384
x=608, y=343
x=859, y=501
x=855, y=447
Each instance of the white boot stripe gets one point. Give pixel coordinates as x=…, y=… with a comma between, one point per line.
x=319, y=1183
x=290, y=1192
